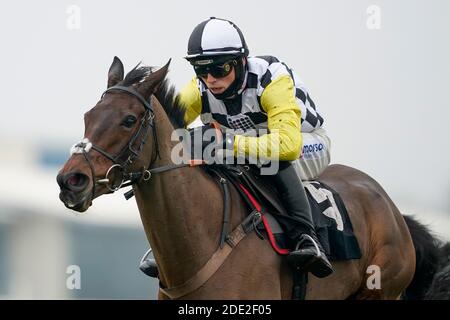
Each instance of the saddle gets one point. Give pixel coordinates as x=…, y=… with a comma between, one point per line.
x=332, y=223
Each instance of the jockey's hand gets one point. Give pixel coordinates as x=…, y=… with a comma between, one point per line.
x=204, y=141
x=209, y=142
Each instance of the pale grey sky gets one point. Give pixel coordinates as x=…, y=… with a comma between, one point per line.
x=384, y=93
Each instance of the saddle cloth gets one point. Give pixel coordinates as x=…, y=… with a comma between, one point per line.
x=331, y=220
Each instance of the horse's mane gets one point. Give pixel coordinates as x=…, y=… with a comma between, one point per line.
x=171, y=104
x=165, y=94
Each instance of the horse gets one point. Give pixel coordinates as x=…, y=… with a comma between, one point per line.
x=128, y=135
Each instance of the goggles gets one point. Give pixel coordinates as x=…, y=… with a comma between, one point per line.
x=216, y=70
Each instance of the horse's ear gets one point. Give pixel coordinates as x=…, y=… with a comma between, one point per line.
x=152, y=82
x=115, y=73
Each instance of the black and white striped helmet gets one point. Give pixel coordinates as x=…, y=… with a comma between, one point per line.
x=216, y=37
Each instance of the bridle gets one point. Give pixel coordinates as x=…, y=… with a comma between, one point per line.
x=128, y=153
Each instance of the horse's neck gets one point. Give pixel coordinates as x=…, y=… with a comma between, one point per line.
x=181, y=211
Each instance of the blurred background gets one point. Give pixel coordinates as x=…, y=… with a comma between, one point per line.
x=379, y=71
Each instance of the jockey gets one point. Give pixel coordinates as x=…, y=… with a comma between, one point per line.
x=251, y=93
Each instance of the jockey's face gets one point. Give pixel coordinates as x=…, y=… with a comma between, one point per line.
x=219, y=85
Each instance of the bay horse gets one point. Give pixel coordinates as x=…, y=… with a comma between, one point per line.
x=128, y=133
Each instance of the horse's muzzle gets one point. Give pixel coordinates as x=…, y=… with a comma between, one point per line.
x=74, y=193
x=73, y=181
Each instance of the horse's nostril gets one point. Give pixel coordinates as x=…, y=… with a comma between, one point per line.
x=74, y=181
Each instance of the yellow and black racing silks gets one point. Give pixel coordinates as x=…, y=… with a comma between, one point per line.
x=270, y=100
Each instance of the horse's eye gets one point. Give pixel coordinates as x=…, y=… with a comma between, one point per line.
x=129, y=121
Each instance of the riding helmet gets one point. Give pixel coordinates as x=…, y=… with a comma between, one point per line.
x=215, y=40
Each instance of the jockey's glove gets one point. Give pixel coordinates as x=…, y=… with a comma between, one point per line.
x=211, y=144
